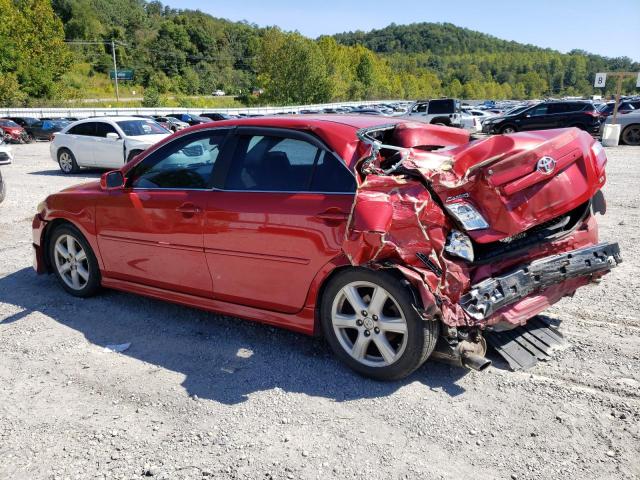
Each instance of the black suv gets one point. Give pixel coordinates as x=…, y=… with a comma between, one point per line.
x=546, y=115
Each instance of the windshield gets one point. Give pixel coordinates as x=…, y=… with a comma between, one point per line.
x=134, y=128
x=8, y=123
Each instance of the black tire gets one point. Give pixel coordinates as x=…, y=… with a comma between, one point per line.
x=421, y=335
x=3, y=189
x=507, y=129
x=92, y=284
x=67, y=161
x=133, y=154
x=443, y=122
x=631, y=135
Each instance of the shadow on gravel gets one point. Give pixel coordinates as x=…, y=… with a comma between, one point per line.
x=56, y=172
x=223, y=359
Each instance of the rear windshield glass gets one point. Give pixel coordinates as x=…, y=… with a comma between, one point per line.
x=134, y=128
x=8, y=123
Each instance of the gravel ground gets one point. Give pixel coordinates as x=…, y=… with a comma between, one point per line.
x=202, y=396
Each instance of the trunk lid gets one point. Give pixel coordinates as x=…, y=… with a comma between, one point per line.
x=521, y=180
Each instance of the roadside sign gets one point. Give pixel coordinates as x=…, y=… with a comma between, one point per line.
x=122, y=74
x=638, y=81
x=601, y=80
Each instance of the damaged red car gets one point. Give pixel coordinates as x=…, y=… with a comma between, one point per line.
x=395, y=240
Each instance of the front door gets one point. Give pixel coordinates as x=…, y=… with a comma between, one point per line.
x=108, y=152
x=536, y=119
x=151, y=232
x=280, y=218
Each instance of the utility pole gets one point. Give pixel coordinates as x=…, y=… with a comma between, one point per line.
x=115, y=70
x=113, y=54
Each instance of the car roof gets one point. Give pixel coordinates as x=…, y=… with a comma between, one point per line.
x=337, y=131
x=114, y=118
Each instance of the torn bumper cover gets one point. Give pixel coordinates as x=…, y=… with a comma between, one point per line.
x=487, y=297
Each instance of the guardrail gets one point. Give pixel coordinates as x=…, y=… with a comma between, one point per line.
x=99, y=112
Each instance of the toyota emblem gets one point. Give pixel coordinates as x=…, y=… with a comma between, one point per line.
x=546, y=165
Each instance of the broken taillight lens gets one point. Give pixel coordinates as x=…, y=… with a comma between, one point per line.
x=468, y=216
x=460, y=245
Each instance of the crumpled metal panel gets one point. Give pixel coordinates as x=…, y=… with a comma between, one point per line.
x=397, y=222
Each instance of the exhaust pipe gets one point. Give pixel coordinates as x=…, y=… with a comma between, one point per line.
x=474, y=362
x=463, y=354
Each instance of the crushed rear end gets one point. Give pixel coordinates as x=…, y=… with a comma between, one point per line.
x=489, y=232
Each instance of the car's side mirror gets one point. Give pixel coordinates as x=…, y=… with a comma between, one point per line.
x=113, y=180
x=113, y=136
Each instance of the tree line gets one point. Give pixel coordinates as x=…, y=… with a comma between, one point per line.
x=192, y=53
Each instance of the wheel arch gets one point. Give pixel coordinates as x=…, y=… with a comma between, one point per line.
x=332, y=269
x=59, y=221
x=443, y=120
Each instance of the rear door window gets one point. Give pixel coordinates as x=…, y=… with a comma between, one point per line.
x=555, y=108
x=269, y=163
x=441, y=106
x=87, y=129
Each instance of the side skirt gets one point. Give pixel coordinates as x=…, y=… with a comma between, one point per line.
x=302, y=322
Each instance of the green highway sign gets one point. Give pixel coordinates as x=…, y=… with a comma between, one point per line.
x=122, y=74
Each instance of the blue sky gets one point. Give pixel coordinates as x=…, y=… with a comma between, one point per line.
x=605, y=27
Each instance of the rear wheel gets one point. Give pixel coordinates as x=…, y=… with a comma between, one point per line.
x=369, y=320
x=631, y=135
x=67, y=161
x=73, y=261
x=508, y=129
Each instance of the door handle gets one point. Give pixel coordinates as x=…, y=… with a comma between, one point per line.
x=332, y=215
x=188, y=209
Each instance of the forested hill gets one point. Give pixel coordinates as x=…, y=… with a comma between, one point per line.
x=177, y=54
x=437, y=38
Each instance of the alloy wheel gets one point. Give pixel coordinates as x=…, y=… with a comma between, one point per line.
x=369, y=324
x=66, y=162
x=632, y=135
x=71, y=262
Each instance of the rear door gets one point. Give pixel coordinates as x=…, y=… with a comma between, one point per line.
x=82, y=141
x=279, y=219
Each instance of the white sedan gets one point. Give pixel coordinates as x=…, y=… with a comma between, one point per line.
x=6, y=155
x=105, y=142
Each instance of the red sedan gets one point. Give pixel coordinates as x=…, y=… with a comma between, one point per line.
x=387, y=236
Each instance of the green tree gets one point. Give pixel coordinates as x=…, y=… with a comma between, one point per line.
x=291, y=69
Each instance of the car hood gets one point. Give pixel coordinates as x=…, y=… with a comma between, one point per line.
x=83, y=187
x=148, y=139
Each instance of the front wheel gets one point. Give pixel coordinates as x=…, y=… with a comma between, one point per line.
x=508, y=129
x=67, y=161
x=74, y=262
x=369, y=320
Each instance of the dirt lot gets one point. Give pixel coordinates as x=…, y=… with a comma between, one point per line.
x=201, y=396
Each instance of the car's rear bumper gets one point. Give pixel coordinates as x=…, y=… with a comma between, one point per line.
x=565, y=272
x=38, y=225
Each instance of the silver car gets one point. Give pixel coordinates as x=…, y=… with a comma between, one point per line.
x=629, y=127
